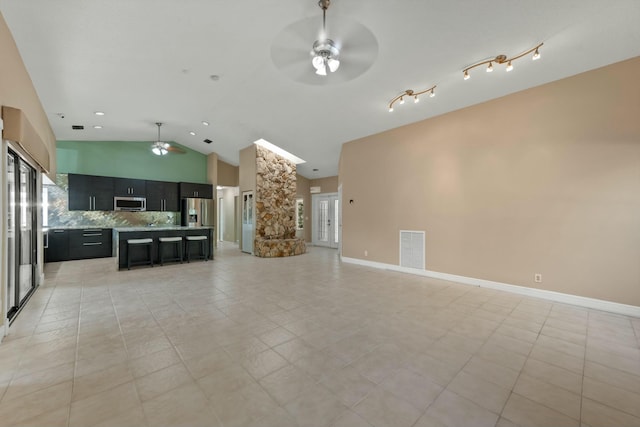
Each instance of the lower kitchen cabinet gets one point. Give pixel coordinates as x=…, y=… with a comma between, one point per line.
x=56, y=247
x=66, y=245
x=90, y=243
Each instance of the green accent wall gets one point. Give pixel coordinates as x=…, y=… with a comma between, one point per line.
x=130, y=159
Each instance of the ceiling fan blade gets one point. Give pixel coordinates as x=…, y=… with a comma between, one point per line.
x=291, y=49
x=289, y=56
x=176, y=150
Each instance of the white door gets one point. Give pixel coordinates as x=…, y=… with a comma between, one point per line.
x=247, y=222
x=325, y=230
x=220, y=219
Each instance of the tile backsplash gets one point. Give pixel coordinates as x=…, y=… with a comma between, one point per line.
x=59, y=215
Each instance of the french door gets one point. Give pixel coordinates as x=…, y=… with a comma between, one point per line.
x=22, y=256
x=325, y=229
x=247, y=222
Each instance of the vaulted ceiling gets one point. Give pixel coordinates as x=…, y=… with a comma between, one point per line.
x=244, y=66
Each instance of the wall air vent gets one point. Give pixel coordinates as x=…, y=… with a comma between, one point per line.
x=208, y=141
x=77, y=127
x=412, y=249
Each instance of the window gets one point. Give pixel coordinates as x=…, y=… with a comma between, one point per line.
x=299, y=214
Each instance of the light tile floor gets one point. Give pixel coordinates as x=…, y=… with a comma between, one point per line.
x=307, y=341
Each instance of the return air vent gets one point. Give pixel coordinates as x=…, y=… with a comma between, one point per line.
x=77, y=127
x=412, y=249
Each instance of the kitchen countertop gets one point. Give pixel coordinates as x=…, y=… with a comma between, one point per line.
x=74, y=227
x=159, y=227
x=126, y=228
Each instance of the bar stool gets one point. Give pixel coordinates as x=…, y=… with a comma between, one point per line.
x=177, y=241
x=131, y=243
x=203, y=246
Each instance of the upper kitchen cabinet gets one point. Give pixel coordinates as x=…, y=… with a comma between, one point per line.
x=90, y=193
x=124, y=187
x=162, y=196
x=192, y=190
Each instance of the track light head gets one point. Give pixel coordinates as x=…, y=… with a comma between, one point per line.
x=536, y=55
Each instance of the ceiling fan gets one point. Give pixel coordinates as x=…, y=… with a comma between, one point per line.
x=304, y=51
x=161, y=148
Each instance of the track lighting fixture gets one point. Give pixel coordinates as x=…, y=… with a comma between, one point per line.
x=503, y=59
x=410, y=93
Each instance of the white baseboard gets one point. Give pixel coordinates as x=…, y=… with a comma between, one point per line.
x=597, y=304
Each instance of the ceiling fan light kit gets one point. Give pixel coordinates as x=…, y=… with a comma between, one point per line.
x=162, y=148
x=325, y=53
x=159, y=148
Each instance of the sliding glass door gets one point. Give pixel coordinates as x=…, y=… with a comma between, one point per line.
x=21, y=231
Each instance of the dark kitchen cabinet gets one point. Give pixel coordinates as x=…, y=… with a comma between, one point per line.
x=56, y=245
x=193, y=190
x=124, y=187
x=90, y=193
x=162, y=196
x=90, y=243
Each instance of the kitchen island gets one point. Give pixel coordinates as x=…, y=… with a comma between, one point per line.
x=122, y=234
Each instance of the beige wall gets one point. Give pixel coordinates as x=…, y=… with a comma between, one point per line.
x=327, y=185
x=302, y=191
x=16, y=90
x=247, y=179
x=229, y=212
x=542, y=181
x=212, y=178
x=228, y=175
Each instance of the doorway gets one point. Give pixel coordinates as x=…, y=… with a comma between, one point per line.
x=220, y=219
x=22, y=259
x=325, y=230
x=247, y=222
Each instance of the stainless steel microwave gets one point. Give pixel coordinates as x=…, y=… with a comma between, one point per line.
x=130, y=204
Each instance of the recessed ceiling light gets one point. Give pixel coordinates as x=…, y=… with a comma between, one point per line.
x=205, y=123
x=97, y=127
x=192, y=133
x=99, y=113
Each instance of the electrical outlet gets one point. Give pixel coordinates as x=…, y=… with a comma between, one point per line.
x=537, y=278
x=366, y=252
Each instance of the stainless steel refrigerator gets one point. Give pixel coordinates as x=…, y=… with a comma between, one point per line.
x=197, y=213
